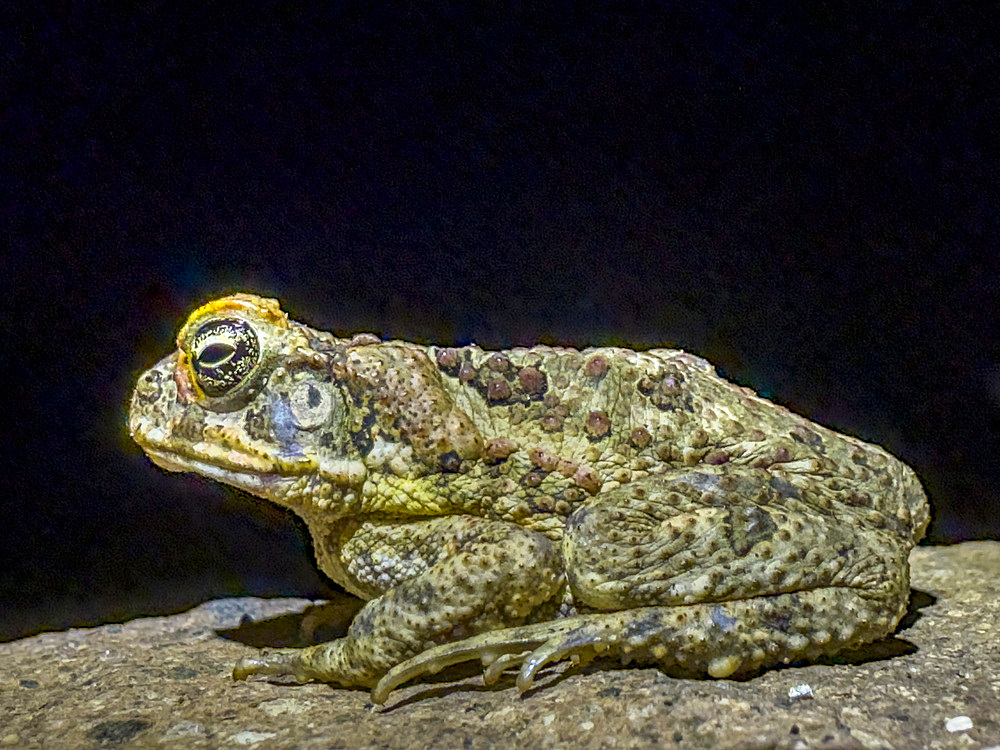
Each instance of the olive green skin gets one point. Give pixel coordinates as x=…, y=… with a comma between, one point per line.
x=531, y=505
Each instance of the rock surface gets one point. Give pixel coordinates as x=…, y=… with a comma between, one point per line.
x=164, y=682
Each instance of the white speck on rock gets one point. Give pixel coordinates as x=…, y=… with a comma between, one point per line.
x=637, y=715
x=586, y=726
x=869, y=740
x=800, y=692
x=184, y=729
x=958, y=724
x=252, y=738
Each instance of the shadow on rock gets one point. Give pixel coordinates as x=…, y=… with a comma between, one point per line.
x=318, y=623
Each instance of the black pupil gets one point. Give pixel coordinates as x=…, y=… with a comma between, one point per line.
x=214, y=355
x=225, y=353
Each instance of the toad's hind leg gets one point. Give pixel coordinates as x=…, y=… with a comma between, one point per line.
x=704, y=572
x=718, y=639
x=741, y=567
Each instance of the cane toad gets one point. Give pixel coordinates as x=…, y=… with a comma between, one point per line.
x=532, y=505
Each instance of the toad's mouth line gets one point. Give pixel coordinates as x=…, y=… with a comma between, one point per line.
x=253, y=472
x=239, y=474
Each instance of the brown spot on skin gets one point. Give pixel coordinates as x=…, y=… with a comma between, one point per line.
x=698, y=439
x=598, y=424
x=545, y=504
x=466, y=372
x=498, y=390
x=876, y=519
x=498, y=362
x=533, y=478
x=716, y=458
x=447, y=358
x=531, y=379
x=639, y=437
x=551, y=400
x=596, y=366
x=664, y=452
x=807, y=436
x=728, y=483
x=499, y=449
x=551, y=422
x=857, y=499
x=667, y=392
x=543, y=459
x=563, y=508
x=363, y=339
x=756, y=435
x=567, y=468
x=781, y=455
x=690, y=456
x=588, y=479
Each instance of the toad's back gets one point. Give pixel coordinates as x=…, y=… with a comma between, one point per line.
x=548, y=427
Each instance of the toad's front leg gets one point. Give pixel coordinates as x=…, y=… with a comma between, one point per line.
x=445, y=579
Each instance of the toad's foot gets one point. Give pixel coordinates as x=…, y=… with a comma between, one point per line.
x=500, y=650
x=719, y=639
x=284, y=661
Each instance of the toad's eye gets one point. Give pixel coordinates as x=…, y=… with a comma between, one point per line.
x=223, y=354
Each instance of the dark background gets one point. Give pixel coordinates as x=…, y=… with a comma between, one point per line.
x=806, y=198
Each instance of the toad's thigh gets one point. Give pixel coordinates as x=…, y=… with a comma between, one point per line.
x=713, y=535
